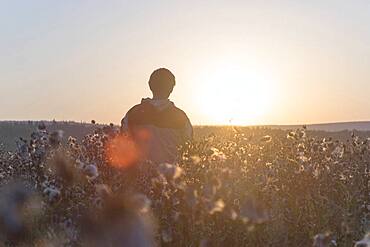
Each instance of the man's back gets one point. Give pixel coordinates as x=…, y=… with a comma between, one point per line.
x=158, y=127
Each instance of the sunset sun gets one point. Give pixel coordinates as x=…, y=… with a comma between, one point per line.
x=235, y=95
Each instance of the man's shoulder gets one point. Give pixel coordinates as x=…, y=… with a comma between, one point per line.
x=146, y=107
x=145, y=113
x=140, y=107
x=142, y=113
x=133, y=113
x=178, y=113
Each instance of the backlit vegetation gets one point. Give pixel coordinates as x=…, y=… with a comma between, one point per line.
x=245, y=187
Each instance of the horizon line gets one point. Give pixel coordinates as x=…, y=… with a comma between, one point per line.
x=206, y=125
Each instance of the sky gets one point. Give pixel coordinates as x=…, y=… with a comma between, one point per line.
x=235, y=62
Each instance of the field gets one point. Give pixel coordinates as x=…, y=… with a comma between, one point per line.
x=232, y=187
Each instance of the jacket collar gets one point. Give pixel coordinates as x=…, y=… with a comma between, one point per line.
x=160, y=104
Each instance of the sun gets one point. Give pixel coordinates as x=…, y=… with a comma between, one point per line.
x=235, y=94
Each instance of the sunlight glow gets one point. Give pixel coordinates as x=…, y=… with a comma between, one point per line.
x=234, y=94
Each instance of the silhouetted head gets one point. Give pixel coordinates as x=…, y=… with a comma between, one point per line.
x=161, y=83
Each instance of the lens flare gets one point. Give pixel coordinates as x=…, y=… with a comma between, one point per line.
x=122, y=152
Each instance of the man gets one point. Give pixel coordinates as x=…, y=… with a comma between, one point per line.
x=156, y=125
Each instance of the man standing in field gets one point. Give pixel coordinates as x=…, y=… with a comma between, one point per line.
x=156, y=125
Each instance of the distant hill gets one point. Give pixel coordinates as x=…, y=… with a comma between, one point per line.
x=10, y=131
x=332, y=127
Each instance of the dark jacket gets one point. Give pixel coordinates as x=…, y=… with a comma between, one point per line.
x=159, y=128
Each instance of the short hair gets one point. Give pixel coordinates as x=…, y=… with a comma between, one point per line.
x=161, y=80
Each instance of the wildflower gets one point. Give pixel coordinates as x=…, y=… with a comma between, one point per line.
x=233, y=214
x=53, y=194
x=170, y=171
x=217, y=154
x=91, y=171
x=196, y=159
x=365, y=242
x=291, y=135
x=302, y=158
x=55, y=138
x=301, y=147
x=266, y=138
x=323, y=240
x=217, y=206
x=72, y=139
x=338, y=152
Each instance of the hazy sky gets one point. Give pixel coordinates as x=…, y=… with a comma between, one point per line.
x=251, y=62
